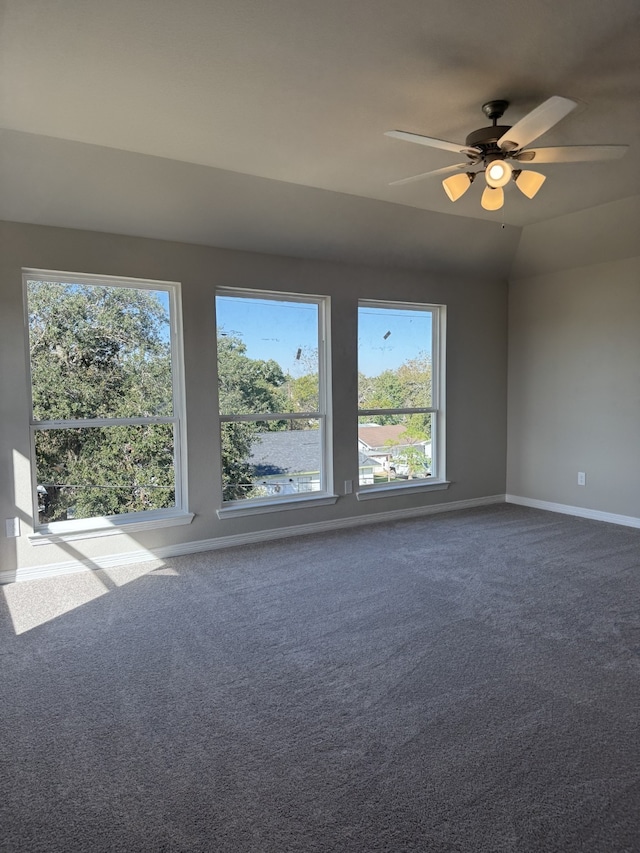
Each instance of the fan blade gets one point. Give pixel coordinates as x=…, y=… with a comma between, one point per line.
x=429, y=174
x=432, y=142
x=535, y=123
x=571, y=154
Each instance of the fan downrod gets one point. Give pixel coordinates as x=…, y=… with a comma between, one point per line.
x=494, y=110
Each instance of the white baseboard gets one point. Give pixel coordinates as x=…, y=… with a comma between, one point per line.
x=322, y=526
x=579, y=511
x=69, y=567
x=178, y=550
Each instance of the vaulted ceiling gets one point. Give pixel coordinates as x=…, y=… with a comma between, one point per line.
x=260, y=125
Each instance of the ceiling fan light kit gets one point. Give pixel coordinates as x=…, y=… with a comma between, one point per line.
x=498, y=173
x=492, y=198
x=491, y=147
x=528, y=182
x=457, y=185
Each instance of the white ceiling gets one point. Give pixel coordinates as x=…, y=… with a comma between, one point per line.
x=301, y=92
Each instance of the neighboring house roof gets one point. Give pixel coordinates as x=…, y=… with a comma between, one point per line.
x=292, y=452
x=286, y=452
x=365, y=461
x=379, y=436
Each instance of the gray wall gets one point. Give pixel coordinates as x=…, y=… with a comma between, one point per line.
x=574, y=362
x=476, y=374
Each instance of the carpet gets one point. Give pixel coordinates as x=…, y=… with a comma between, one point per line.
x=467, y=682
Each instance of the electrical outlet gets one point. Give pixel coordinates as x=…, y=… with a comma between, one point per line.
x=348, y=487
x=12, y=526
x=582, y=478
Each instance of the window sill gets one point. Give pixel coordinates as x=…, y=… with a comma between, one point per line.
x=242, y=508
x=94, y=528
x=369, y=493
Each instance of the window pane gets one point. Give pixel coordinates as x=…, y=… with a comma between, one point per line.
x=393, y=448
x=96, y=471
x=98, y=352
x=267, y=355
x=259, y=462
x=394, y=358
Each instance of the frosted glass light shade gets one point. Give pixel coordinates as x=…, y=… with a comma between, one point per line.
x=498, y=173
x=529, y=182
x=492, y=199
x=457, y=185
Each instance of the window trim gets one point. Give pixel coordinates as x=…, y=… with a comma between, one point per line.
x=437, y=408
x=256, y=506
x=109, y=525
x=96, y=526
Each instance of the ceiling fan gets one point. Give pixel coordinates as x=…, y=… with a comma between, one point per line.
x=490, y=149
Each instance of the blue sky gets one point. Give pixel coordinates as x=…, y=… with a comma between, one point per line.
x=271, y=328
x=278, y=329
x=388, y=337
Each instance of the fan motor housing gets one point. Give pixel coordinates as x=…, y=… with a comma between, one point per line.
x=486, y=137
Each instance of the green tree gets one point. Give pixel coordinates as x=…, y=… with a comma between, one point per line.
x=408, y=386
x=413, y=458
x=414, y=377
x=417, y=428
x=383, y=392
x=302, y=393
x=247, y=385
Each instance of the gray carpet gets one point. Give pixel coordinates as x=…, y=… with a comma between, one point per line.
x=463, y=682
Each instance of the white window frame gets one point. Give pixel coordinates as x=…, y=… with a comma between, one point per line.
x=62, y=531
x=437, y=480
x=236, y=508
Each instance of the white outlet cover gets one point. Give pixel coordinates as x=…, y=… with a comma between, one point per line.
x=12, y=526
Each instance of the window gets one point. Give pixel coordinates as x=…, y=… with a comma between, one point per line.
x=106, y=399
x=272, y=397
x=400, y=405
